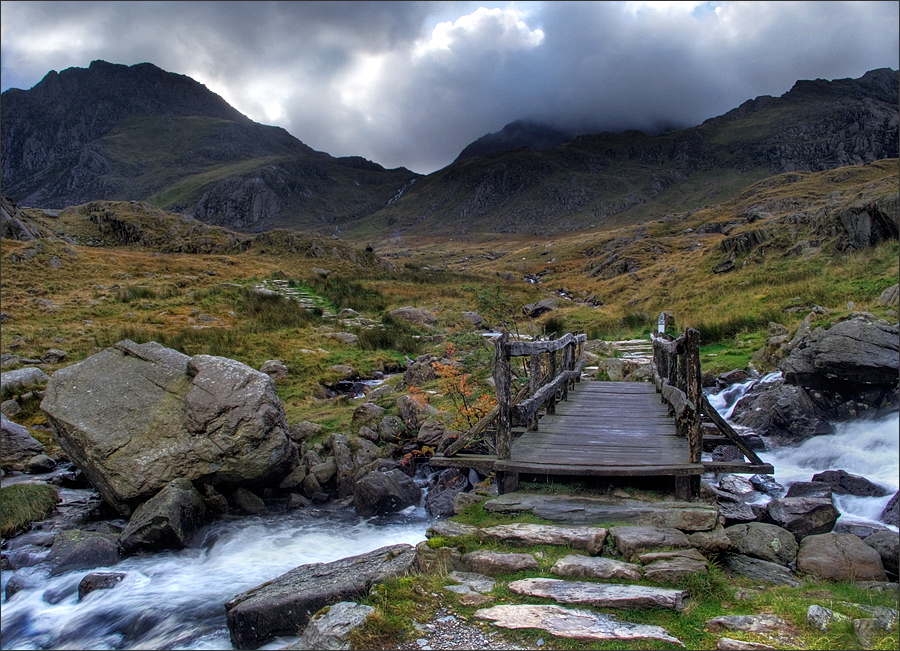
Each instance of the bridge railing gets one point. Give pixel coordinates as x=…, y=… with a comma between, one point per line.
x=553, y=367
x=677, y=376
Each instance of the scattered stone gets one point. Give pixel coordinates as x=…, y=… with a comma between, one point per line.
x=440, y=560
x=839, y=557
x=329, y=629
x=738, y=486
x=736, y=513
x=368, y=414
x=274, y=368
x=602, y=595
x=385, y=492
x=54, y=356
x=450, y=529
x=344, y=337
x=711, y=542
x=767, y=484
x=866, y=631
x=248, y=501
x=98, y=581
x=887, y=544
x=579, y=624
x=40, y=464
x=10, y=408
x=765, y=623
x=823, y=618
x=21, y=381
x=595, y=567
x=891, y=513
x=462, y=501
x=283, y=605
x=440, y=498
x=816, y=489
x=491, y=563
x=414, y=315
x=473, y=581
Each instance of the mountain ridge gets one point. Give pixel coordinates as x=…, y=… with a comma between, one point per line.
x=109, y=132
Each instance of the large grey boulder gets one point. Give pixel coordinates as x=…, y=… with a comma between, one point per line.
x=415, y=315
x=843, y=483
x=439, y=500
x=602, y=595
x=165, y=521
x=839, y=557
x=385, y=492
x=285, y=604
x=136, y=416
x=758, y=570
x=803, y=516
x=17, y=446
x=766, y=541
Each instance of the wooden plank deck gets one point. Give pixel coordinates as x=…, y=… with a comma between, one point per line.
x=604, y=429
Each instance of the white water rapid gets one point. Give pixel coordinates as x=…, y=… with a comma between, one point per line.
x=869, y=448
x=174, y=600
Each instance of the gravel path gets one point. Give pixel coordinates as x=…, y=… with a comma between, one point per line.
x=450, y=631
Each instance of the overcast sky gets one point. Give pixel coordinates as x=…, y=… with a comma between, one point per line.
x=412, y=83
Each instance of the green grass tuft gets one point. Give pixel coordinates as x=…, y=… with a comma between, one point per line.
x=22, y=504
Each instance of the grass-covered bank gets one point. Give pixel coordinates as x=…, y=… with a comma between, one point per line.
x=22, y=504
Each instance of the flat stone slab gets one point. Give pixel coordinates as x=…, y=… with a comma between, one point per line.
x=602, y=595
x=565, y=509
x=578, y=624
x=591, y=539
x=759, y=570
x=595, y=567
x=284, y=605
x=487, y=562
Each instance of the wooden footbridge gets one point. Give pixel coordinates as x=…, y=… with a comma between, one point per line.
x=567, y=427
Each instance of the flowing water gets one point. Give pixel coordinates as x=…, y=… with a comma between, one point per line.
x=175, y=599
x=869, y=448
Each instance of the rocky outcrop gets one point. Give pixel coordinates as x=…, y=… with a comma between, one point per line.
x=803, y=516
x=843, y=483
x=329, y=629
x=21, y=380
x=764, y=541
x=284, y=605
x=136, y=416
x=848, y=371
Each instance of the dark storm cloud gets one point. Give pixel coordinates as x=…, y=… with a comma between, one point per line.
x=412, y=83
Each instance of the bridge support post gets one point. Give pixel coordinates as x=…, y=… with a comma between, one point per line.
x=687, y=488
x=507, y=482
x=534, y=385
x=502, y=383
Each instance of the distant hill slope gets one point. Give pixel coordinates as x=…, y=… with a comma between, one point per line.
x=515, y=135
x=617, y=178
x=140, y=133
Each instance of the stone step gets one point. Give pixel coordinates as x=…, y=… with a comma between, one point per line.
x=602, y=595
x=572, y=623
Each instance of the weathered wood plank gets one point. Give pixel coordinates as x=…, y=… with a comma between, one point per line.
x=737, y=467
x=729, y=432
x=598, y=471
x=521, y=348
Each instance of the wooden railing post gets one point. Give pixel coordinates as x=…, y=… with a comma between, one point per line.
x=502, y=382
x=553, y=372
x=534, y=385
x=694, y=391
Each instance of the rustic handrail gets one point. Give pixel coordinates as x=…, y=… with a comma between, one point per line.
x=676, y=374
x=543, y=393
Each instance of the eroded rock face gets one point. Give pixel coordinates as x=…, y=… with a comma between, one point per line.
x=136, y=416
